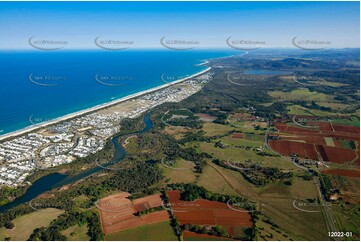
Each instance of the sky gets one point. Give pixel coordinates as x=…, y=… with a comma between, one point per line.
x=209, y=23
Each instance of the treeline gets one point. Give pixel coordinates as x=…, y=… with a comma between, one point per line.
x=210, y=230
x=65, y=221
x=175, y=151
x=258, y=175
x=263, y=175
x=14, y=213
x=136, y=179
x=326, y=186
x=174, y=223
x=183, y=118
x=312, y=105
x=9, y=193
x=190, y=192
x=149, y=210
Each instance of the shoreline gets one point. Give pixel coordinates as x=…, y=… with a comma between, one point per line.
x=97, y=107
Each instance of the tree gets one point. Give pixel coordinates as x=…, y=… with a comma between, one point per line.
x=9, y=225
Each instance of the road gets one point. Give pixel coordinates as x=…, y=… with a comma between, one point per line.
x=327, y=209
x=329, y=218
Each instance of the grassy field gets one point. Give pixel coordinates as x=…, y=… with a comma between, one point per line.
x=274, y=200
x=240, y=154
x=268, y=232
x=298, y=224
x=331, y=84
x=299, y=110
x=354, y=121
x=329, y=141
x=77, y=233
x=213, y=129
x=214, y=182
x=301, y=94
x=240, y=141
x=184, y=174
x=25, y=225
x=338, y=106
x=347, y=217
x=177, y=131
x=157, y=231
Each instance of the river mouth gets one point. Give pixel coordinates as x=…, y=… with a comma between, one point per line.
x=56, y=180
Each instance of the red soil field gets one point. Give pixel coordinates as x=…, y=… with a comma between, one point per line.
x=283, y=127
x=346, y=129
x=338, y=143
x=205, y=212
x=304, y=150
x=309, y=151
x=340, y=131
x=336, y=154
x=343, y=172
x=238, y=135
x=117, y=212
x=323, y=126
x=148, y=202
x=307, y=139
x=314, y=142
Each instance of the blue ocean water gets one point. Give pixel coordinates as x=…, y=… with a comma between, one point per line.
x=38, y=86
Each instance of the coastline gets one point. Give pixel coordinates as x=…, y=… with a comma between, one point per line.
x=97, y=107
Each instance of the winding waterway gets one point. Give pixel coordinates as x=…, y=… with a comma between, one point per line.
x=56, y=180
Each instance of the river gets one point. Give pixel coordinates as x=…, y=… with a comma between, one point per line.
x=56, y=180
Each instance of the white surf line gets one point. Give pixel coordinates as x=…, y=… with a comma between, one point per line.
x=98, y=107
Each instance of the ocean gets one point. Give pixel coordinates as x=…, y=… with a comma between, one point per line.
x=38, y=86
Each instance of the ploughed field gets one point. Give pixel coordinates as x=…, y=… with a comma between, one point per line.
x=342, y=172
x=205, y=212
x=118, y=213
x=320, y=141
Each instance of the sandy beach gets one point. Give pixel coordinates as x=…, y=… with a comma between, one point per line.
x=96, y=108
